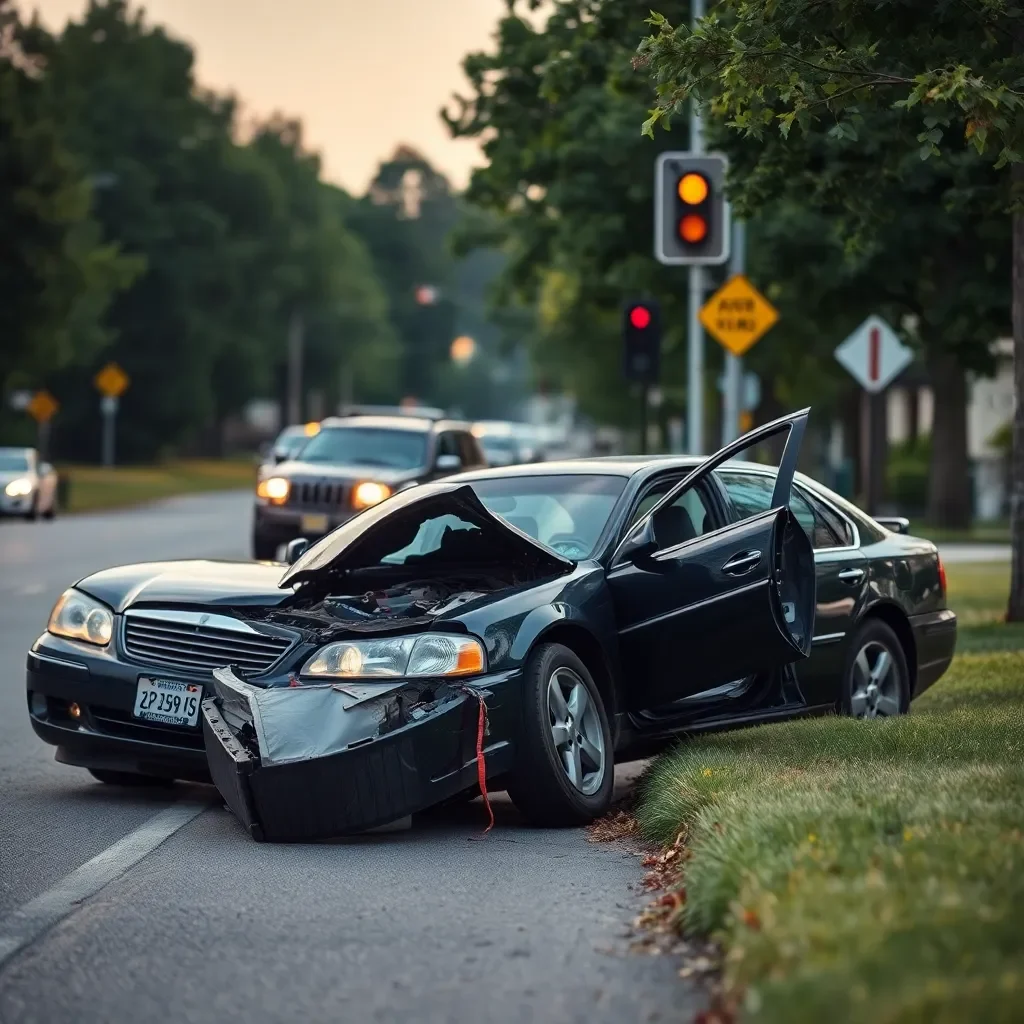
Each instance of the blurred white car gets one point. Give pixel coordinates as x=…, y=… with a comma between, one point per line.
x=28, y=487
x=501, y=442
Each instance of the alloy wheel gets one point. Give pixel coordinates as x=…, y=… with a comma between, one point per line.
x=576, y=730
x=876, y=687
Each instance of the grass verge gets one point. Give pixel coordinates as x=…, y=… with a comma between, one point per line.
x=979, y=533
x=94, y=488
x=865, y=871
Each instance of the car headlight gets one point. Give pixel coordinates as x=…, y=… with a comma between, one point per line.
x=368, y=493
x=77, y=616
x=274, y=489
x=19, y=488
x=427, y=655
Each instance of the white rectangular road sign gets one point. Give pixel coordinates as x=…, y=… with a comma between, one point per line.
x=874, y=355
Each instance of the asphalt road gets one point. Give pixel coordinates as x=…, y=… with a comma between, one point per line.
x=431, y=923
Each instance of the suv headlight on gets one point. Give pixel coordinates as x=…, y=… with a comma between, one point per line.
x=20, y=488
x=275, y=489
x=429, y=655
x=76, y=616
x=368, y=493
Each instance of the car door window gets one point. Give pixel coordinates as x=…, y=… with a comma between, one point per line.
x=751, y=493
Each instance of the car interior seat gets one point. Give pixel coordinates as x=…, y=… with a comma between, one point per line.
x=673, y=525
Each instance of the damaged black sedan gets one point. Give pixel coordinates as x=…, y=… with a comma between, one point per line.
x=522, y=628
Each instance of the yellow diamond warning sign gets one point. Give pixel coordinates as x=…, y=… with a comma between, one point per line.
x=111, y=381
x=42, y=406
x=737, y=315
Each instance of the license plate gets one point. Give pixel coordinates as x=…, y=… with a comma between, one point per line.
x=167, y=701
x=313, y=524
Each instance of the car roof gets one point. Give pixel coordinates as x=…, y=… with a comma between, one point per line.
x=614, y=465
x=395, y=422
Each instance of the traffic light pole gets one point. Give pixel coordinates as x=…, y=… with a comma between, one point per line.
x=695, y=349
x=733, y=391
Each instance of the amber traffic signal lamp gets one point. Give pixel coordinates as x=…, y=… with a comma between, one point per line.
x=691, y=215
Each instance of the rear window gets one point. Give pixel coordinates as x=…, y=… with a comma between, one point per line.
x=368, y=446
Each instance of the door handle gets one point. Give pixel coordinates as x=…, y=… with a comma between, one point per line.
x=742, y=563
x=851, y=575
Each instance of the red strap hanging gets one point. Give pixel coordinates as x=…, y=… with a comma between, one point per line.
x=481, y=764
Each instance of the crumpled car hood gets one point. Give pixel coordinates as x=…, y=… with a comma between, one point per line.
x=394, y=523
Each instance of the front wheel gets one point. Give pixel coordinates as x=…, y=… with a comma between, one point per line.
x=876, y=682
x=565, y=764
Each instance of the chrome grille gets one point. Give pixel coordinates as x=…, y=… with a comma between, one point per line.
x=199, y=642
x=318, y=493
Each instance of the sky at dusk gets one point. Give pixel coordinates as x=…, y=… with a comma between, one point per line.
x=362, y=76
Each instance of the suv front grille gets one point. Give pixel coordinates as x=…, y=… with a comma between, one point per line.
x=199, y=642
x=317, y=493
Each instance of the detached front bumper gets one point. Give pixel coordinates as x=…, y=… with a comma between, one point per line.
x=390, y=768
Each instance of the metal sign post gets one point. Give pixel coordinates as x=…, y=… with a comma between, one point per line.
x=732, y=405
x=108, y=407
x=111, y=382
x=695, y=346
x=42, y=407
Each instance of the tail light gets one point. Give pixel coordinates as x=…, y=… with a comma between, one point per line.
x=942, y=574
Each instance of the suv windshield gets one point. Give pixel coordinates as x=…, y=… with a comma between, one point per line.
x=368, y=446
x=15, y=462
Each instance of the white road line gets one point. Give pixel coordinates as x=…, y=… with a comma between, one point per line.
x=30, y=921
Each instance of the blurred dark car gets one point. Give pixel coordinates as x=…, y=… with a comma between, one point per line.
x=354, y=462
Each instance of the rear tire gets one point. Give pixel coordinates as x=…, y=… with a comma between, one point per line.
x=876, y=679
x=565, y=765
x=132, y=779
x=51, y=512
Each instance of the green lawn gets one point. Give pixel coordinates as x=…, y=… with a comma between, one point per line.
x=93, y=488
x=867, y=871
x=979, y=533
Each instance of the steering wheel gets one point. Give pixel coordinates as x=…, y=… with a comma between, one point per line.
x=570, y=545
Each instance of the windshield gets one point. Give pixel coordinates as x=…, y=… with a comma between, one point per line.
x=368, y=446
x=567, y=513
x=291, y=442
x=13, y=462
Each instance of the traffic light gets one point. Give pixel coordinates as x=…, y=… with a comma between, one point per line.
x=641, y=334
x=691, y=215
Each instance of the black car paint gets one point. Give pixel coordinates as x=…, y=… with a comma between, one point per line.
x=575, y=606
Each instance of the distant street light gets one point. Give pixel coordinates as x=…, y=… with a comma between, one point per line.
x=463, y=349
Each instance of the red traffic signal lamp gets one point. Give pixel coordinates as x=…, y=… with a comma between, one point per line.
x=641, y=336
x=691, y=216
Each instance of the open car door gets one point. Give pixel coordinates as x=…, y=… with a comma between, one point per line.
x=697, y=608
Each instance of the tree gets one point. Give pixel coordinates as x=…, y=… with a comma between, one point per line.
x=766, y=66
x=235, y=239
x=56, y=278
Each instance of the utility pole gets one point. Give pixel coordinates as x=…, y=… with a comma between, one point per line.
x=695, y=350
x=733, y=396
x=295, y=339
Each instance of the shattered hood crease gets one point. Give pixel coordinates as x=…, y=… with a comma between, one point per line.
x=394, y=523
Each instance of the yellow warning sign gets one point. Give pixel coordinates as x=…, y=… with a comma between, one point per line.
x=42, y=406
x=738, y=315
x=111, y=381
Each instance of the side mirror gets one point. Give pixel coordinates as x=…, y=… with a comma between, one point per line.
x=639, y=544
x=295, y=550
x=278, y=456
x=448, y=464
x=898, y=524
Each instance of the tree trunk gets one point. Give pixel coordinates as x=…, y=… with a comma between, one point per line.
x=1015, y=610
x=949, y=492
